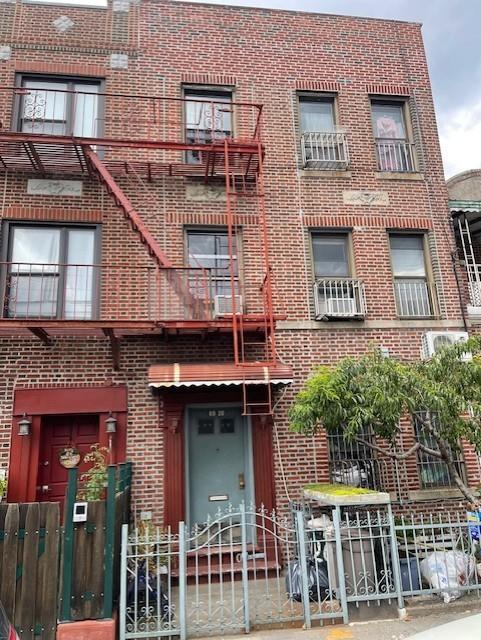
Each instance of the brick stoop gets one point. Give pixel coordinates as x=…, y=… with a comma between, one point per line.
x=87, y=630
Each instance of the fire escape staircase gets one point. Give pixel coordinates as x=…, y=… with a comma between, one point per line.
x=257, y=399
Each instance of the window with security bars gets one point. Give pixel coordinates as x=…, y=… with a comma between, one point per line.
x=352, y=462
x=434, y=472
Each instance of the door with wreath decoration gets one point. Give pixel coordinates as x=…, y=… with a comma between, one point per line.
x=64, y=442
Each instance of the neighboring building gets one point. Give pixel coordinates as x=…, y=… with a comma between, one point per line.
x=164, y=164
x=464, y=191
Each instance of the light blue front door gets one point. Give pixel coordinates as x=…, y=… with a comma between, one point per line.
x=218, y=463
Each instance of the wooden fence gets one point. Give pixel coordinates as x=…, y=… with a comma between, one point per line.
x=50, y=573
x=91, y=549
x=29, y=562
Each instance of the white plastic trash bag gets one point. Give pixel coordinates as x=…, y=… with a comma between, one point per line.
x=447, y=571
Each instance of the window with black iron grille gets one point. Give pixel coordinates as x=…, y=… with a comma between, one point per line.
x=434, y=472
x=352, y=462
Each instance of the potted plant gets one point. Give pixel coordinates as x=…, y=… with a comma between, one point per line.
x=94, y=481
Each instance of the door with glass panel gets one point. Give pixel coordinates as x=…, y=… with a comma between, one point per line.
x=60, y=107
x=51, y=273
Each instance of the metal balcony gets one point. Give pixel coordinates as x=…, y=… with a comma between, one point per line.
x=46, y=130
x=415, y=298
x=106, y=293
x=324, y=150
x=339, y=298
x=395, y=155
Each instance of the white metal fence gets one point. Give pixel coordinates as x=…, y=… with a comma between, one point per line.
x=339, y=298
x=395, y=155
x=414, y=298
x=249, y=567
x=324, y=150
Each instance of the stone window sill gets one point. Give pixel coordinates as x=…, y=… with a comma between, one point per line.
x=395, y=175
x=325, y=173
x=421, y=495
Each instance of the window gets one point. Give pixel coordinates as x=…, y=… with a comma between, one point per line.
x=60, y=106
x=50, y=272
x=208, y=117
x=209, y=250
x=336, y=294
x=322, y=145
x=393, y=147
x=433, y=472
x=352, y=462
x=316, y=113
x=413, y=291
x=330, y=254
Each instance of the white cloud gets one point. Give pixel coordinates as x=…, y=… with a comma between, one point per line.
x=460, y=134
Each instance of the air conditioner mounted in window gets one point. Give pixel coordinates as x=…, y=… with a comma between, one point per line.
x=341, y=307
x=223, y=305
x=432, y=341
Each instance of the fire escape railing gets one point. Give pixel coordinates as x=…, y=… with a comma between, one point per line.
x=126, y=117
x=33, y=291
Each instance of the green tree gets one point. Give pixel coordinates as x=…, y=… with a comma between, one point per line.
x=374, y=393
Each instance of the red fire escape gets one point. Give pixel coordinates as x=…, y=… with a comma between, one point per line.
x=141, y=138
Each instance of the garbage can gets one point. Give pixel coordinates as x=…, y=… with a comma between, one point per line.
x=410, y=579
x=358, y=557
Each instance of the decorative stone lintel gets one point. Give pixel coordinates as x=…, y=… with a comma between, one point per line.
x=43, y=187
x=366, y=198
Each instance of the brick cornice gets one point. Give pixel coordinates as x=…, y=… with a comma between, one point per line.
x=385, y=222
x=208, y=78
x=388, y=89
x=94, y=70
x=18, y=212
x=318, y=85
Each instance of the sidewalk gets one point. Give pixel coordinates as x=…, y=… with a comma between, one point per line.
x=373, y=630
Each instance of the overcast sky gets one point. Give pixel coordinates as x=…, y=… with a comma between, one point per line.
x=452, y=36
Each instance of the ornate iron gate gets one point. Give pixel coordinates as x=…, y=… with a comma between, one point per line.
x=245, y=568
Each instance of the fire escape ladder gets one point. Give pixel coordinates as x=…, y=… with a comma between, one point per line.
x=472, y=268
x=257, y=398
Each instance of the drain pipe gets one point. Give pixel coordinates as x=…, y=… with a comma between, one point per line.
x=458, y=287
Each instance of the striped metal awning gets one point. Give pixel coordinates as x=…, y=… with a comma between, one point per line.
x=195, y=374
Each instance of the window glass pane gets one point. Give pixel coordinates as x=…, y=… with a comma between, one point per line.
x=80, y=273
x=387, y=120
x=86, y=111
x=39, y=245
x=330, y=256
x=32, y=295
x=407, y=254
x=316, y=115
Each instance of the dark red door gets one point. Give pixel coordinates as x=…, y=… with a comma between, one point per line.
x=57, y=433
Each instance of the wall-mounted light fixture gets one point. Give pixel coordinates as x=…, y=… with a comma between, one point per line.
x=24, y=426
x=111, y=423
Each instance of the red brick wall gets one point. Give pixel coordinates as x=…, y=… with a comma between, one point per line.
x=267, y=56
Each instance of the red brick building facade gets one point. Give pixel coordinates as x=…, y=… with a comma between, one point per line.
x=342, y=164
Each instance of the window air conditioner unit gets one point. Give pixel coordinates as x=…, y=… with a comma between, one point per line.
x=432, y=341
x=341, y=307
x=223, y=305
